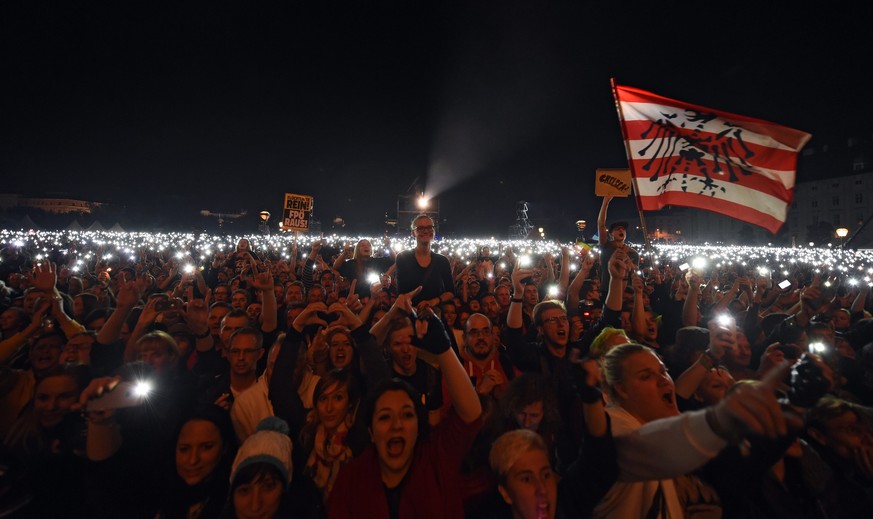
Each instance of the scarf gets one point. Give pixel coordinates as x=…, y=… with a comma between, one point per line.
x=329, y=454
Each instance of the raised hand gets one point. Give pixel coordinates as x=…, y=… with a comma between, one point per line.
x=618, y=267
x=128, y=293
x=197, y=311
x=403, y=303
x=752, y=409
x=45, y=277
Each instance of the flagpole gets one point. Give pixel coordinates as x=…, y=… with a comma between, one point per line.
x=631, y=166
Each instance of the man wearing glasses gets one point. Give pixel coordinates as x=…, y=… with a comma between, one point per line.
x=425, y=268
x=548, y=355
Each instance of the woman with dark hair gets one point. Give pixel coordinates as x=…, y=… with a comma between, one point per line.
x=408, y=471
x=205, y=449
x=160, y=456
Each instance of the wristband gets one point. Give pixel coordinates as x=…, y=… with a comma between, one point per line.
x=517, y=300
x=590, y=394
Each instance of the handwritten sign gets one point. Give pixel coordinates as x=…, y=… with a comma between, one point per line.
x=612, y=182
x=297, y=212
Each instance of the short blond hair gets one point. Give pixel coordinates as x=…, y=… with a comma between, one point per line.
x=509, y=447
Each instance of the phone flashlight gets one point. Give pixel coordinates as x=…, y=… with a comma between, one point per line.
x=372, y=277
x=142, y=388
x=724, y=320
x=817, y=347
x=187, y=269
x=524, y=261
x=683, y=267
x=784, y=284
x=553, y=290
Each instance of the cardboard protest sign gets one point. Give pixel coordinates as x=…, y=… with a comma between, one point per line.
x=297, y=212
x=612, y=182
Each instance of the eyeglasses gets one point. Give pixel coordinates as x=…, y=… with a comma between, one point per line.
x=477, y=333
x=555, y=320
x=237, y=351
x=421, y=228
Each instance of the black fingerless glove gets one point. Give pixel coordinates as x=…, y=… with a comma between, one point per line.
x=436, y=340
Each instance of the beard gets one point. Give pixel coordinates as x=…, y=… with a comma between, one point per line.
x=481, y=353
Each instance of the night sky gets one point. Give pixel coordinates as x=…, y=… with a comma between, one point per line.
x=227, y=106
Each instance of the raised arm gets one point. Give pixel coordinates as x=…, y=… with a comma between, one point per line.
x=10, y=345
x=564, y=278
x=638, y=314
x=343, y=256
x=127, y=297
x=514, y=318
x=263, y=281
x=690, y=310
x=576, y=285
x=432, y=336
x=602, y=231
x=721, y=336
x=860, y=300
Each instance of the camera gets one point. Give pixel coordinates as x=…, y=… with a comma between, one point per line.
x=808, y=383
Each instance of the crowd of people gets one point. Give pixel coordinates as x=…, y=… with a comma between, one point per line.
x=182, y=376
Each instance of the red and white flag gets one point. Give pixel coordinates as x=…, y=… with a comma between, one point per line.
x=688, y=155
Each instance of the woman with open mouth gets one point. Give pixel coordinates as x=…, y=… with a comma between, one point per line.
x=409, y=471
x=659, y=450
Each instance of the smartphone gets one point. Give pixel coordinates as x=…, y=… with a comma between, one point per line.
x=683, y=267
x=818, y=347
x=728, y=323
x=784, y=284
x=125, y=394
x=166, y=305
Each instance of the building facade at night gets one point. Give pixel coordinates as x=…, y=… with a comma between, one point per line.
x=49, y=205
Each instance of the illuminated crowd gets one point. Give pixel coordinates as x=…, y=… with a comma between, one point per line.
x=202, y=375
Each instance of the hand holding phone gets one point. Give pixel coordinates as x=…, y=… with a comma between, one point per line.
x=124, y=394
x=166, y=305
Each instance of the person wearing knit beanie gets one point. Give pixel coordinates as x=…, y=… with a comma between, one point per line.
x=269, y=444
x=261, y=474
